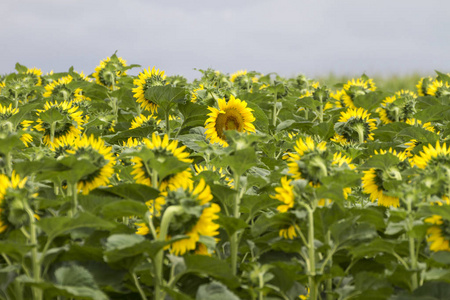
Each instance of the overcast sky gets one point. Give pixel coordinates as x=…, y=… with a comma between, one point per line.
x=284, y=36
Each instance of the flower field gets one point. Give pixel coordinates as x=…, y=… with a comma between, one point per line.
x=233, y=186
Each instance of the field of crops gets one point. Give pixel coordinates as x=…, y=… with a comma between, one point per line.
x=241, y=186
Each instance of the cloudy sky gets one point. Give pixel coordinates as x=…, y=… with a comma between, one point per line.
x=284, y=36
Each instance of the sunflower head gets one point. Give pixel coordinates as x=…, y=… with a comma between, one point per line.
x=12, y=193
x=32, y=77
x=223, y=176
x=196, y=217
x=285, y=194
x=162, y=150
x=309, y=161
x=438, y=88
x=235, y=76
x=354, y=88
x=231, y=115
x=422, y=85
x=146, y=79
x=194, y=95
x=68, y=121
x=93, y=150
x=354, y=126
x=397, y=108
x=109, y=71
x=432, y=156
x=143, y=121
x=438, y=233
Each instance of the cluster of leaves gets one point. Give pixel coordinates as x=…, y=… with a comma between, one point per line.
x=57, y=242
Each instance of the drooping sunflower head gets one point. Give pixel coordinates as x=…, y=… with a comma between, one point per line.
x=237, y=74
x=354, y=126
x=289, y=232
x=109, y=70
x=95, y=151
x=438, y=233
x=58, y=89
x=62, y=145
x=194, y=95
x=70, y=121
x=423, y=84
x=142, y=121
x=33, y=77
x=223, y=176
x=162, y=149
x=146, y=79
x=432, y=156
x=285, y=194
x=231, y=115
x=354, y=88
x=438, y=88
x=374, y=179
x=196, y=218
x=397, y=108
x=12, y=191
x=309, y=161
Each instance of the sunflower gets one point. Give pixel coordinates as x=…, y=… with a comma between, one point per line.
x=231, y=115
x=354, y=126
x=70, y=124
x=63, y=144
x=238, y=74
x=228, y=181
x=438, y=88
x=422, y=85
x=195, y=91
x=146, y=79
x=354, y=88
x=109, y=70
x=318, y=93
x=289, y=232
x=15, y=183
x=338, y=96
x=432, y=156
x=33, y=76
x=162, y=148
x=285, y=194
x=372, y=182
x=397, y=108
x=197, y=217
x=94, y=150
x=438, y=234
x=60, y=90
x=7, y=112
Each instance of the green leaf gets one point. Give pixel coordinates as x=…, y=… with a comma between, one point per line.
x=193, y=115
x=124, y=208
x=212, y=266
x=24, y=109
x=14, y=250
x=134, y=191
x=216, y=291
x=51, y=115
x=231, y=224
x=240, y=161
x=382, y=162
x=434, y=113
x=56, y=226
x=166, y=96
x=75, y=276
x=21, y=68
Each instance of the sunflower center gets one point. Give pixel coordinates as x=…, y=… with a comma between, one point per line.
x=230, y=120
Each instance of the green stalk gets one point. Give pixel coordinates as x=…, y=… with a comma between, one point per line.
x=8, y=163
x=167, y=123
x=261, y=285
x=234, y=238
x=138, y=286
x=411, y=243
x=274, y=116
x=311, y=255
x=52, y=132
x=37, y=292
x=329, y=282
x=158, y=263
x=359, y=128
x=321, y=113
x=74, y=199
x=397, y=114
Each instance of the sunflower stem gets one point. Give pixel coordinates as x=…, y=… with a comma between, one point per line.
x=52, y=132
x=311, y=255
x=170, y=212
x=37, y=292
x=8, y=163
x=274, y=117
x=234, y=238
x=397, y=114
x=359, y=128
x=138, y=286
x=166, y=113
x=74, y=199
x=328, y=262
x=411, y=242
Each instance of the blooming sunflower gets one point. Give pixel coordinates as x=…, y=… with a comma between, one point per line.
x=432, y=156
x=197, y=217
x=60, y=90
x=397, y=108
x=289, y=232
x=94, y=150
x=438, y=88
x=438, y=234
x=7, y=112
x=195, y=91
x=422, y=85
x=33, y=76
x=70, y=123
x=354, y=126
x=372, y=182
x=146, y=79
x=162, y=148
x=285, y=194
x=109, y=70
x=354, y=88
x=231, y=115
x=15, y=183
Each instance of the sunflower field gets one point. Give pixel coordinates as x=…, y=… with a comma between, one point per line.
x=241, y=186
